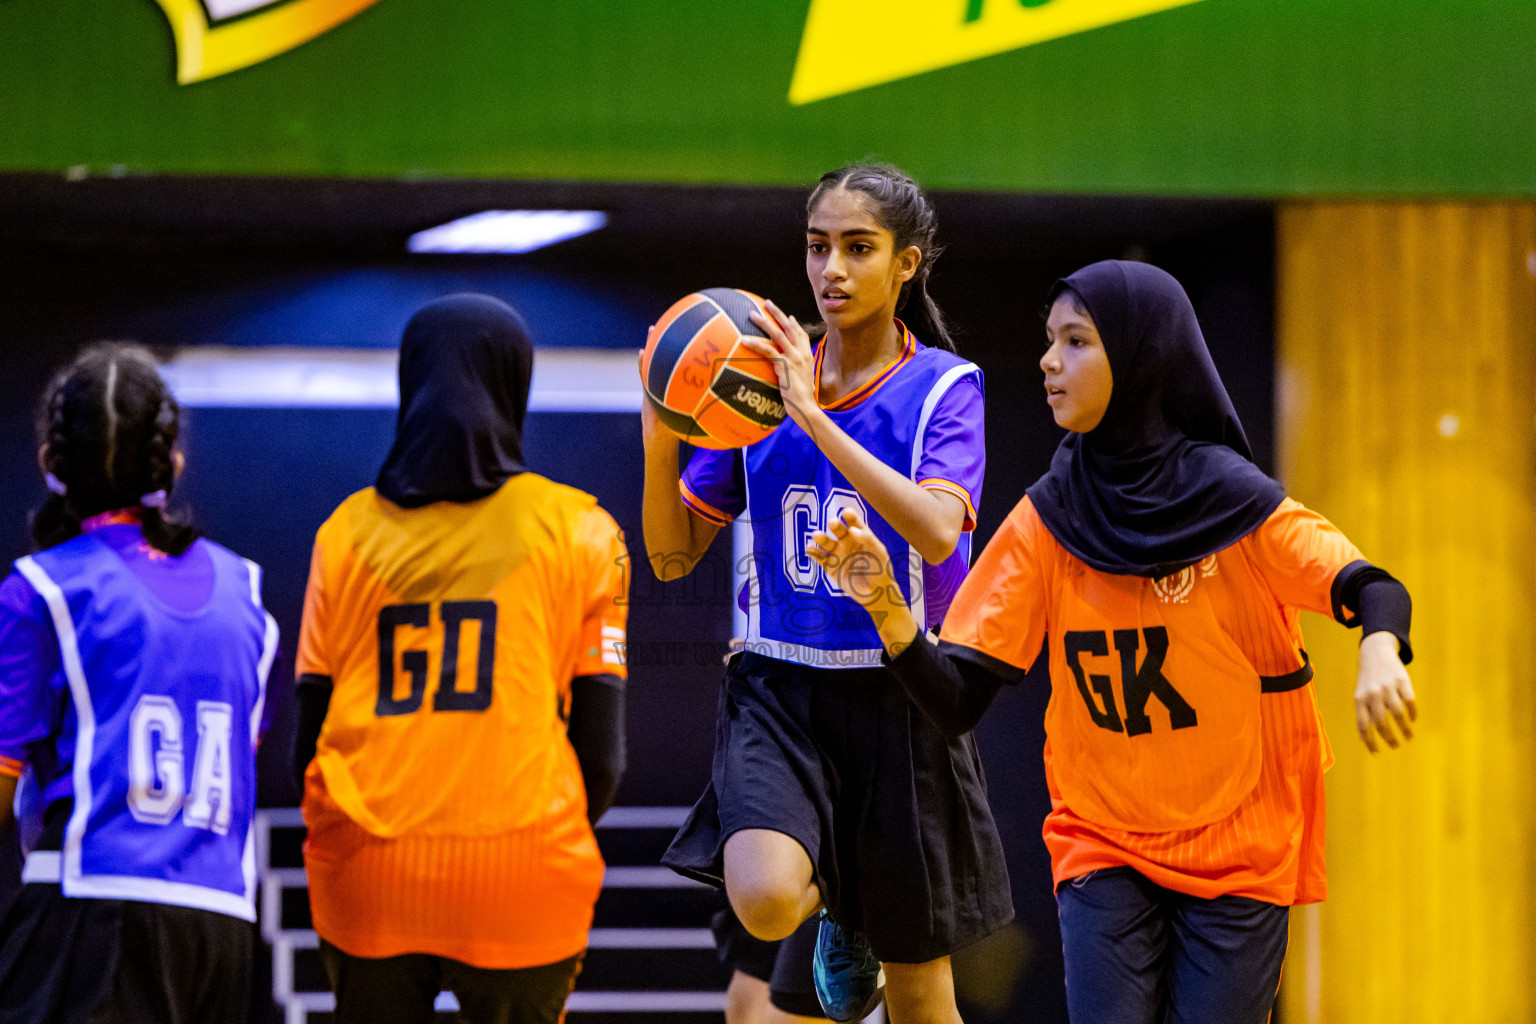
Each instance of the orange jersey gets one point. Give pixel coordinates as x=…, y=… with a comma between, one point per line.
x=1182, y=739
x=445, y=803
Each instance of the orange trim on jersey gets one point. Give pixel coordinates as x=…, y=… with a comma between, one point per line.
x=950, y=487
x=116, y=517
x=703, y=508
x=11, y=767
x=908, y=350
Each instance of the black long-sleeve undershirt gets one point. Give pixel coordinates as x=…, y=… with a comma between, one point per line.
x=314, y=694
x=951, y=684
x=596, y=731
x=954, y=685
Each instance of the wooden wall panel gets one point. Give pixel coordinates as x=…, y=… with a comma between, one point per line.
x=1407, y=414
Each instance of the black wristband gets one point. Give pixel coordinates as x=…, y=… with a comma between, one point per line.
x=1367, y=596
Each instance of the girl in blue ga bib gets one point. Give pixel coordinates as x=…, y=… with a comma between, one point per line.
x=829, y=791
x=134, y=658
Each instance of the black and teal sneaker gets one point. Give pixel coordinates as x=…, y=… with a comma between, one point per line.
x=849, y=981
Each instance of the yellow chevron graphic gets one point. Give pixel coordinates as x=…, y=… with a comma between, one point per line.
x=853, y=44
x=215, y=37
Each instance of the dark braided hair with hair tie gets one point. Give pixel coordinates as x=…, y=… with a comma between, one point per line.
x=900, y=207
x=109, y=425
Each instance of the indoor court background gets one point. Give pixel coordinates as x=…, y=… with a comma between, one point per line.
x=1347, y=190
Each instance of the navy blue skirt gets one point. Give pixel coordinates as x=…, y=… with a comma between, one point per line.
x=893, y=813
x=70, y=960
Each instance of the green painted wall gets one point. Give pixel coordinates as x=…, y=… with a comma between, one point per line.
x=1222, y=97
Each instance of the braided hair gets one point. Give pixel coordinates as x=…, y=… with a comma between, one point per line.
x=109, y=424
x=900, y=207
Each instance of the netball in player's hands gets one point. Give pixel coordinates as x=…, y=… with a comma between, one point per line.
x=789, y=346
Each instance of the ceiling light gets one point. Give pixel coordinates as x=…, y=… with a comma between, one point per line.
x=507, y=231
x=214, y=377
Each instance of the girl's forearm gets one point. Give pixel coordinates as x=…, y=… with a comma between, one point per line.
x=924, y=519
x=892, y=617
x=675, y=538
x=7, y=799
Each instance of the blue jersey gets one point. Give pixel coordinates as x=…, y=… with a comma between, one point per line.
x=164, y=705
x=922, y=416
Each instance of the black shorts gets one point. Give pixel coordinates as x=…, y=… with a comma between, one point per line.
x=892, y=813
x=784, y=965
x=66, y=959
x=402, y=989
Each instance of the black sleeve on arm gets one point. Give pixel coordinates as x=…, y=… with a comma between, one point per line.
x=1379, y=602
x=596, y=730
x=952, y=684
x=314, y=694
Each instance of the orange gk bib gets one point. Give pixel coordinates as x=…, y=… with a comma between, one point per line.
x=1154, y=724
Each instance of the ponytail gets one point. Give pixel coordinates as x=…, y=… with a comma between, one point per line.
x=936, y=328
x=53, y=523
x=160, y=530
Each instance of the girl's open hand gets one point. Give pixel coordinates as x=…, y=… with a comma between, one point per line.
x=788, y=347
x=1384, y=700
x=855, y=560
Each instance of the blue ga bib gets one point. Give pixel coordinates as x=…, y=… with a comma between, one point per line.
x=167, y=707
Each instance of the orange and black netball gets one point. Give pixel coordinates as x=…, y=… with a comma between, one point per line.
x=705, y=387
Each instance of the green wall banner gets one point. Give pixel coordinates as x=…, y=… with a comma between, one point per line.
x=1262, y=98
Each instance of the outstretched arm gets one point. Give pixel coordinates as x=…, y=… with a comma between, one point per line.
x=1384, y=695
x=953, y=693
x=1309, y=564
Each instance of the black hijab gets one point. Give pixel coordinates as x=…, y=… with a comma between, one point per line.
x=465, y=367
x=1166, y=478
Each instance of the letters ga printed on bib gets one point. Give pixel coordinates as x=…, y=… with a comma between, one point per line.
x=215, y=37
x=901, y=38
